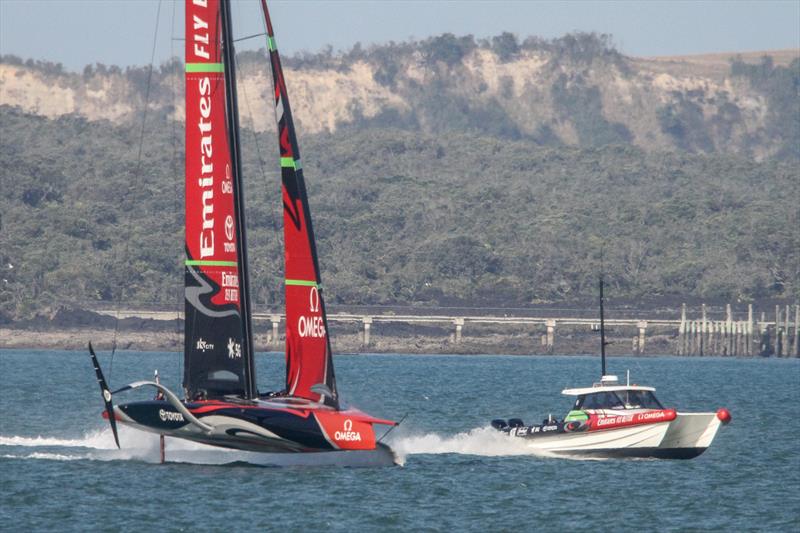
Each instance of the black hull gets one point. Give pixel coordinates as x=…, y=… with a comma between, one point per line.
x=636, y=453
x=264, y=428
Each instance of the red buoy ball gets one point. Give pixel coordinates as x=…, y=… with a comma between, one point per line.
x=724, y=415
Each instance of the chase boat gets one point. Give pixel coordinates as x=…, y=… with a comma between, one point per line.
x=610, y=420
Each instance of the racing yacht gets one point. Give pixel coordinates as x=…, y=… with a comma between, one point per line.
x=220, y=403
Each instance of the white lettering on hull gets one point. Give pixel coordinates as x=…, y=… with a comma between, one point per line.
x=170, y=416
x=348, y=434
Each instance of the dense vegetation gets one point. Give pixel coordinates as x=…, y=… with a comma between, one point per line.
x=400, y=218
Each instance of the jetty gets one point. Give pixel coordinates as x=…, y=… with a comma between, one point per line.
x=697, y=331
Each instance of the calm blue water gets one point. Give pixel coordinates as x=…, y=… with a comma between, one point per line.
x=59, y=468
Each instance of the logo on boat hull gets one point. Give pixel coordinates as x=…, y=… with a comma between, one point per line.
x=345, y=431
x=170, y=416
x=348, y=434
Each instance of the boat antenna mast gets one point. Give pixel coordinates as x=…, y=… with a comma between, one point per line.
x=602, y=330
x=603, y=342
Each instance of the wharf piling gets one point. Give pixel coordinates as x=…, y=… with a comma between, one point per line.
x=710, y=332
x=367, y=321
x=731, y=337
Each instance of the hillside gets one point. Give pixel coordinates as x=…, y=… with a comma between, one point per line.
x=450, y=219
x=575, y=91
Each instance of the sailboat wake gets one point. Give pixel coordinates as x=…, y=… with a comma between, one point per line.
x=144, y=447
x=94, y=445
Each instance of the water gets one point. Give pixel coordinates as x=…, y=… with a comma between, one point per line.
x=59, y=467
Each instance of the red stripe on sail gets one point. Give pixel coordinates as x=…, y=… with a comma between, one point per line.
x=308, y=358
x=210, y=220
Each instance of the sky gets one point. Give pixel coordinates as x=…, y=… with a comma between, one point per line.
x=121, y=32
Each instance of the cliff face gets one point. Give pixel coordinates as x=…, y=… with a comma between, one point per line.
x=584, y=95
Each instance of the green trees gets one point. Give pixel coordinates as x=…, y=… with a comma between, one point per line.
x=473, y=213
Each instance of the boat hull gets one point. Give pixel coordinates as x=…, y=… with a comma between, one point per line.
x=684, y=437
x=596, y=443
x=636, y=453
x=291, y=426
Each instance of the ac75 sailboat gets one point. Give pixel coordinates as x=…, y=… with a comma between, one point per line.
x=221, y=404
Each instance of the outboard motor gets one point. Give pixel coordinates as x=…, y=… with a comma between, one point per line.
x=499, y=424
x=515, y=422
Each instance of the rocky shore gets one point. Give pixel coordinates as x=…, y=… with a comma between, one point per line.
x=152, y=335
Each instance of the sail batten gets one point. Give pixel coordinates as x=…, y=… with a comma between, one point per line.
x=309, y=360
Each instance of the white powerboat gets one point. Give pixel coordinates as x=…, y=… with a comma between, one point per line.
x=613, y=420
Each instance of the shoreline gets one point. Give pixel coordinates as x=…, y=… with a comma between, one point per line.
x=488, y=342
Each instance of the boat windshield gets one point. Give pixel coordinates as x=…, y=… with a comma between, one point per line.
x=599, y=400
x=639, y=399
x=623, y=399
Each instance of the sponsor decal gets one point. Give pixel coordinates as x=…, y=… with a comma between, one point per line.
x=170, y=416
x=311, y=326
x=230, y=280
x=230, y=284
x=648, y=417
x=206, y=179
x=229, y=227
x=227, y=184
x=347, y=433
x=533, y=431
x=203, y=345
x=234, y=349
x=313, y=300
x=200, y=33
x=614, y=420
x=229, y=246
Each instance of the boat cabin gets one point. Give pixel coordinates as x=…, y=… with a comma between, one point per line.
x=618, y=398
x=609, y=395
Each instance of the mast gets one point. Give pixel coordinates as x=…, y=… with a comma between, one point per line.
x=232, y=115
x=602, y=331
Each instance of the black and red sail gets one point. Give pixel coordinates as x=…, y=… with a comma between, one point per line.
x=216, y=337
x=308, y=355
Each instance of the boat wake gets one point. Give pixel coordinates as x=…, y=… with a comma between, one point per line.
x=144, y=447
x=94, y=445
x=482, y=441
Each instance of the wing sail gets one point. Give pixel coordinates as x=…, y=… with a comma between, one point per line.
x=216, y=347
x=309, y=360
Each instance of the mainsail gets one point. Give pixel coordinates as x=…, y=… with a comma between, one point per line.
x=308, y=353
x=218, y=348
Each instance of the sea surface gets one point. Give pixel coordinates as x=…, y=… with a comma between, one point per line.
x=59, y=468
